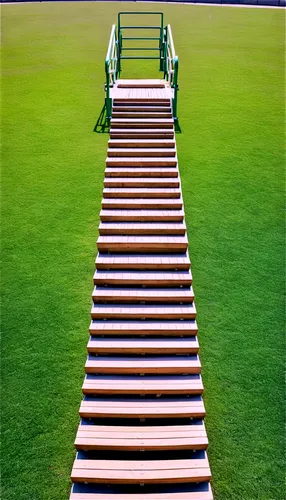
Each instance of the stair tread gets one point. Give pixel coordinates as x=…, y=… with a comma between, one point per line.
x=160, y=437
x=143, y=471
x=132, y=261
x=143, y=277
x=136, y=151
x=200, y=491
x=146, y=327
x=160, y=364
x=141, y=228
x=135, y=345
x=142, y=243
x=147, y=311
x=142, y=202
x=142, y=192
x=127, y=172
x=141, y=161
x=148, y=384
x=141, y=143
x=143, y=294
x=120, y=215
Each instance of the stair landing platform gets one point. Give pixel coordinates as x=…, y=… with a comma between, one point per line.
x=144, y=90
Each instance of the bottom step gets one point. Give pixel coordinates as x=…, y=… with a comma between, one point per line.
x=201, y=491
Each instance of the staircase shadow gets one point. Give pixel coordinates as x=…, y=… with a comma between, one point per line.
x=178, y=129
x=102, y=125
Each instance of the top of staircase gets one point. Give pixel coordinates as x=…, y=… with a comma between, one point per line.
x=141, y=89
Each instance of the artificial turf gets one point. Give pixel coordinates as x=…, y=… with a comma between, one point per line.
x=231, y=110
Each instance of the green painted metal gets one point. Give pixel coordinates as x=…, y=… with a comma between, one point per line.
x=168, y=60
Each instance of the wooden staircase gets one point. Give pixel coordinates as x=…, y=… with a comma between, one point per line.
x=142, y=434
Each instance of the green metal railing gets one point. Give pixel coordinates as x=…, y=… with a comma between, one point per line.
x=166, y=55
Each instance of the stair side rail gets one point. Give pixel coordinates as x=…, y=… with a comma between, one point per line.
x=171, y=67
x=112, y=66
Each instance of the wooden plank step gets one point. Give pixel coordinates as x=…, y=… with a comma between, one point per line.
x=195, y=469
x=141, y=192
x=140, y=133
x=141, y=84
x=109, y=215
x=143, y=107
x=144, y=328
x=140, y=262
x=147, y=384
x=152, y=103
x=151, y=278
x=142, y=244
x=131, y=113
x=130, y=311
x=141, y=172
x=146, y=123
x=175, y=365
x=182, y=407
x=134, y=162
x=141, y=152
x=134, y=295
x=137, y=204
x=135, y=438
x=142, y=228
x=187, y=345
x=141, y=101
x=142, y=143
x=142, y=182
x=200, y=491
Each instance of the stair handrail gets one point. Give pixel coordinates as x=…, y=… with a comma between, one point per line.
x=111, y=68
x=171, y=67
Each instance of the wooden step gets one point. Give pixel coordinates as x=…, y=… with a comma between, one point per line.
x=142, y=228
x=127, y=172
x=140, y=101
x=143, y=262
x=146, y=123
x=141, y=83
x=147, y=384
x=122, y=311
x=109, y=215
x=199, y=491
x=135, y=295
x=195, y=469
x=141, y=152
x=136, y=438
x=153, y=278
x=131, y=113
x=139, y=204
x=142, y=143
x=175, y=365
x=141, y=192
x=137, y=103
x=142, y=244
x=140, y=133
x=182, y=407
x=141, y=108
x=144, y=328
x=151, y=185
x=98, y=345
x=136, y=162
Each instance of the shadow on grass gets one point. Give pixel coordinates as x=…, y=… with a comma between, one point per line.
x=178, y=129
x=102, y=125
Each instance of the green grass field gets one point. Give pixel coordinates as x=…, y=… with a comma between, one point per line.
x=231, y=110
